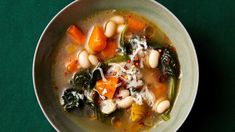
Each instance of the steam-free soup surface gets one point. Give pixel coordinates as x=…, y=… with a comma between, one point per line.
x=115, y=71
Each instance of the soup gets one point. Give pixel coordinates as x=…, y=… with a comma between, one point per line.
x=116, y=71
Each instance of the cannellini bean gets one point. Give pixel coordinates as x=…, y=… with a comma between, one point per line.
x=117, y=19
x=125, y=103
x=110, y=29
x=153, y=58
x=123, y=93
x=120, y=28
x=161, y=106
x=83, y=59
x=93, y=59
x=107, y=106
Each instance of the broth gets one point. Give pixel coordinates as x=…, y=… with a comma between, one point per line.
x=155, y=82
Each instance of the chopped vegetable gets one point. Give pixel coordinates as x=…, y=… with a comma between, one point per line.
x=166, y=116
x=97, y=75
x=97, y=41
x=93, y=105
x=76, y=34
x=81, y=79
x=172, y=89
x=138, y=112
x=135, y=24
x=154, y=44
x=122, y=39
x=107, y=88
x=86, y=79
x=72, y=66
x=171, y=95
x=110, y=50
x=71, y=99
x=169, y=65
x=134, y=44
x=117, y=59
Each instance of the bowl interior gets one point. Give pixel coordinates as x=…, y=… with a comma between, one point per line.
x=83, y=8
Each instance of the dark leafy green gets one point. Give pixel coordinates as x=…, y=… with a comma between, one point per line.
x=81, y=79
x=122, y=40
x=169, y=67
x=169, y=64
x=154, y=45
x=86, y=78
x=71, y=99
x=96, y=75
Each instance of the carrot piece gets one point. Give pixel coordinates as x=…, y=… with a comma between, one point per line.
x=135, y=24
x=110, y=50
x=76, y=34
x=97, y=41
x=72, y=66
x=107, y=88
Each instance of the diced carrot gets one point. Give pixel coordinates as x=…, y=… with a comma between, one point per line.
x=72, y=66
x=97, y=41
x=110, y=50
x=135, y=24
x=107, y=88
x=76, y=34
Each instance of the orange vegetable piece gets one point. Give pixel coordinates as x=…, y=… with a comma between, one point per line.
x=110, y=50
x=107, y=88
x=72, y=66
x=97, y=41
x=76, y=34
x=135, y=24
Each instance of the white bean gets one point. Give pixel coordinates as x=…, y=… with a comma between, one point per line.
x=93, y=59
x=120, y=28
x=123, y=93
x=153, y=58
x=117, y=19
x=110, y=29
x=83, y=59
x=107, y=106
x=125, y=103
x=161, y=106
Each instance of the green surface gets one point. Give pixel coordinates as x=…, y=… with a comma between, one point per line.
x=211, y=25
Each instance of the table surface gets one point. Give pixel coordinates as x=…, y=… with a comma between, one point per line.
x=210, y=24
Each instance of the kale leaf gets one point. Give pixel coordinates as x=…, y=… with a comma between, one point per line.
x=71, y=99
x=169, y=64
x=81, y=79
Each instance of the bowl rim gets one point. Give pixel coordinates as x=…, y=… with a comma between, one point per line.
x=34, y=60
x=194, y=54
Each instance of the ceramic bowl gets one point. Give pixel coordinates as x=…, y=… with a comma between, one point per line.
x=81, y=9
